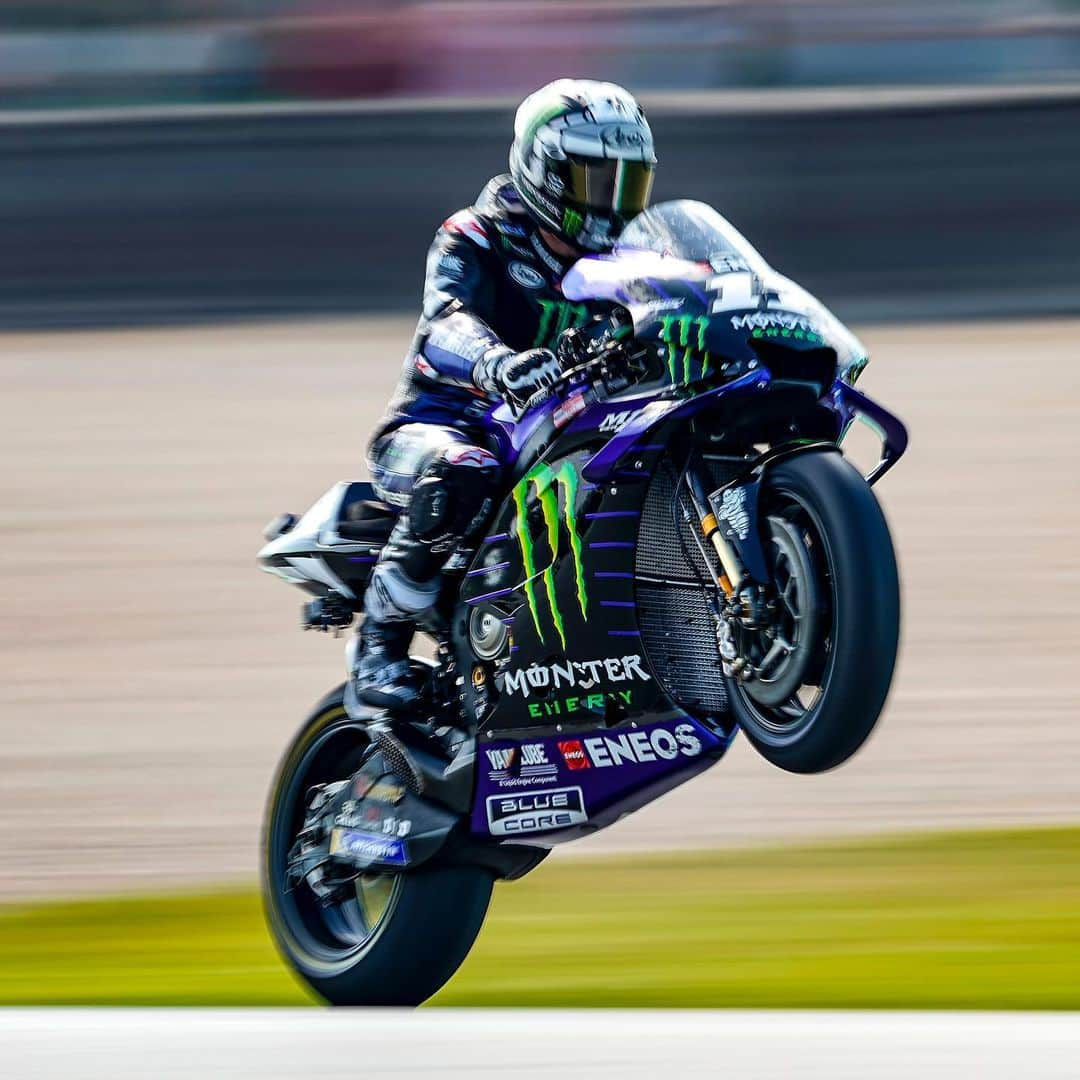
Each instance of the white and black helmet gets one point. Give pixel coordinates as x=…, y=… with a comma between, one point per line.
x=582, y=160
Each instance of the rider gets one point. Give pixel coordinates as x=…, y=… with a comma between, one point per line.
x=581, y=165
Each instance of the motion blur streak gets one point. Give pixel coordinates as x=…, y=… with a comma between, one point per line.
x=926, y=205
x=113, y=1044
x=153, y=675
x=55, y=53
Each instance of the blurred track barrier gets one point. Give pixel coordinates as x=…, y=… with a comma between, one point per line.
x=903, y=205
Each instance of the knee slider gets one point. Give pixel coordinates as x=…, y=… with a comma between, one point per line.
x=447, y=497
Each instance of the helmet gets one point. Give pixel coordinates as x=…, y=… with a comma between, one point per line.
x=582, y=160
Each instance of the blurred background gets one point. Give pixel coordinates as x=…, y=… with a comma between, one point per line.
x=213, y=221
x=124, y=52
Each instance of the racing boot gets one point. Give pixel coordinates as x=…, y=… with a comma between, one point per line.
x=381, y=672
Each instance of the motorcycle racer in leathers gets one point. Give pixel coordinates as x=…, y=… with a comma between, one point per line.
x=581, y=166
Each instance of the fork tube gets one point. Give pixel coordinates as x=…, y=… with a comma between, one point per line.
x=732, y=573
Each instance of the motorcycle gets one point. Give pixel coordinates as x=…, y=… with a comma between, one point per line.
x=683, y=552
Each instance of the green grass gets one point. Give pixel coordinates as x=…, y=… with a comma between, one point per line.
x=956, y=920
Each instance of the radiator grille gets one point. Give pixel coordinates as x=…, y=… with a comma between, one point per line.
x=677, y=628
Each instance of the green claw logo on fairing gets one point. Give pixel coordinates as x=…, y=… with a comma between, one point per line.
x=677, y=332
x=557, y=316
x=548, y=483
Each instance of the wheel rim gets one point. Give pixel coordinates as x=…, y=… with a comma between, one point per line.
x=796, y=657
x=324, y=939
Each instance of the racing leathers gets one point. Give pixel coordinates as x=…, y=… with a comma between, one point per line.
x=493, y=308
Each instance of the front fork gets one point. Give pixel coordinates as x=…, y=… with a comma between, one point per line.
x=721, y=521
x=729, y=520
x=732, y=572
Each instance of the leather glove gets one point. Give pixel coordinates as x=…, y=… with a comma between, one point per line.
x=517, y=376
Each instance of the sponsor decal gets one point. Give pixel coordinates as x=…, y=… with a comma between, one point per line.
x=525, y=275
x=781, y=324
x=521, y=766
x=556, y=494
x=369, y=847
x=729, y=264
x=684, y=336
x=594, y=703
x=547, y=203
x=546, y=256
x=557, y=316
x=479, y=676
x=572, y=222
x=423, y=365
x=517, y=249
x=384, y=791
x=566, y=412
x=630, y=748
x=616, y=421
x=575, y=674
x=502, y=760
x=373, y=819
x=512, y=228
x=450, y=266
x=573, y=754
x=673, y=304
x=540, y=811
x=622, y=137
x=457, y=342
x=733, y=512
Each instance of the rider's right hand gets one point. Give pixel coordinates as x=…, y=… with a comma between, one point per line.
x=517, y=376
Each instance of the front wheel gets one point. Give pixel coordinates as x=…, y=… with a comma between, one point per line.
x=825, y=659
x=396, y=938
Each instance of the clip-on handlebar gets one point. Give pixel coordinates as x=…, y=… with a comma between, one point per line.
x=590, y=362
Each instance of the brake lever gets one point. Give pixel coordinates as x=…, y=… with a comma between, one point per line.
x=601, y=359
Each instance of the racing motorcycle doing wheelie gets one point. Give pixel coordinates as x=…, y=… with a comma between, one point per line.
x=683, y=552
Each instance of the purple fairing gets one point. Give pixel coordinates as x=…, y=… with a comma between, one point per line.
x=847, y=402
x=606, y=460
x=850, y=404
x=614, y=772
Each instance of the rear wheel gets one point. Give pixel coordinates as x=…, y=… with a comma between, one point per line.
x=825, y=658
x=395, y=938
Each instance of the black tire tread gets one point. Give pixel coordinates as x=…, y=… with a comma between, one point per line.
x=438, y=915
x=867, y=608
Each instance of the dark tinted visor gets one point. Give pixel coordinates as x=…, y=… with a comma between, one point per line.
x=610, y=184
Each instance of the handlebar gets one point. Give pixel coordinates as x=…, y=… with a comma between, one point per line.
x=600, y=357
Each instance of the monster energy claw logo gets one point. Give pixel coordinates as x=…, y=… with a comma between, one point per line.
x=684, y=336
x=557, y=316
x=547, y=485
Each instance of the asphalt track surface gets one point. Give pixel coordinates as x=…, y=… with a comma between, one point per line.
x=164, y=1043
x=153, y=675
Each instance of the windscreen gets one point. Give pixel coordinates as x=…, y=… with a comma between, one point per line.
x=693, y=231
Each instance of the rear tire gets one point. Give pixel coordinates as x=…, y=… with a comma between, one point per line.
x=859, y=612
x=430, y=919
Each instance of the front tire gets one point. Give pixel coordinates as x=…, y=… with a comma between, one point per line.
x=403, y=935
x=822, y=516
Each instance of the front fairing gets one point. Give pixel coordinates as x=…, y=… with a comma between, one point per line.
x=706, y=297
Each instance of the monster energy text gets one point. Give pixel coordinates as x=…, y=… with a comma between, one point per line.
x=575, y=674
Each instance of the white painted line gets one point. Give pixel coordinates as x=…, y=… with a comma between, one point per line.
x=532, y=1044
